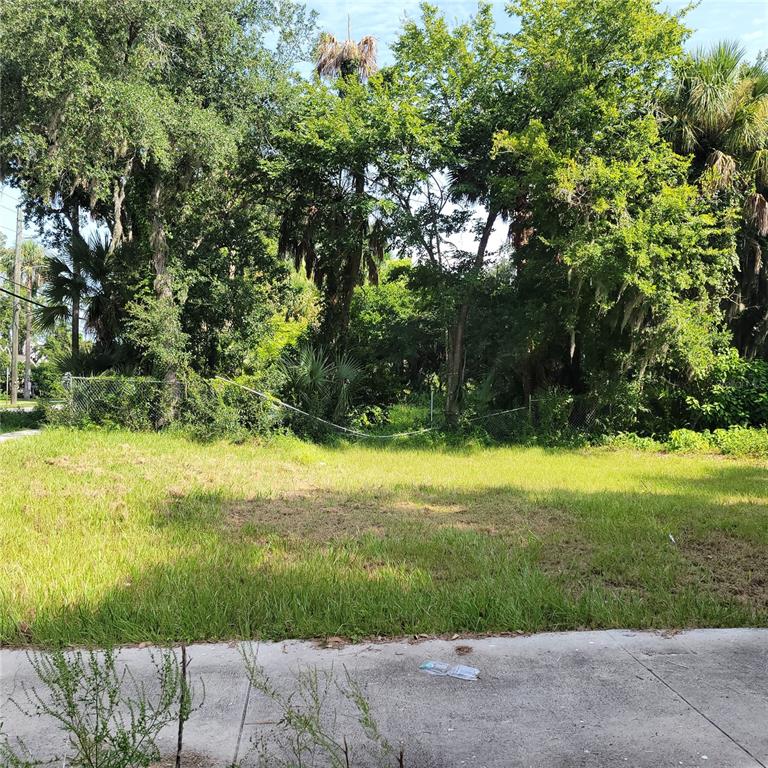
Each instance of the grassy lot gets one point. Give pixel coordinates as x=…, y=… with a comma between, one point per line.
x=6, y=403
x=117, y=537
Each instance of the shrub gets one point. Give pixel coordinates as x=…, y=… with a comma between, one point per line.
x=735, y=391
x=322, y=385
x=109, y=401
x=741, y=441
x=11, y=421
x=632, y=441
x=217, y=409
x=553, y=412
x=688, y=441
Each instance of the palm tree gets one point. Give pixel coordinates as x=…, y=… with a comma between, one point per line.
x=334, y=58
x=32, y=260
x=717, y=111
x=340, y=213
x=82, y=273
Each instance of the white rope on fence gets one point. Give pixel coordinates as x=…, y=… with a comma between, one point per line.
x=275, y=402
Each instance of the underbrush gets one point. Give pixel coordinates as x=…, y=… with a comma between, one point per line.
x=734, y=441
x=12, y=421
x=240, y=410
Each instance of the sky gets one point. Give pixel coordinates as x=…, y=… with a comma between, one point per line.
x=744, y=21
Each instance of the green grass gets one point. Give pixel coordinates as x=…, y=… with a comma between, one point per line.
x=20, y=403
x=112, y=537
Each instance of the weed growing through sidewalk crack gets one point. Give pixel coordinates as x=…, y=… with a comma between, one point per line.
x=110, y=719
x=306, y=729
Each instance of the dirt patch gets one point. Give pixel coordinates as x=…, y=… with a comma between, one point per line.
x=188, y=760
x=736, y=569
x=318, y=515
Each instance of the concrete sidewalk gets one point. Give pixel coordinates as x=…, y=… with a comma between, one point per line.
x=613, y=698
x=8, y=436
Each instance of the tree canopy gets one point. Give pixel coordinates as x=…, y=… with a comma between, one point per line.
x=578, y=207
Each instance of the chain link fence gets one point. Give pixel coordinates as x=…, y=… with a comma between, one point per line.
x=134, y=402
x=219, y=407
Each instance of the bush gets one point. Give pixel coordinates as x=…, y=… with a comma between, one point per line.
x=631, y=441
x=217, y=409
x=688, y=441
x=553, y=412
x=110, y=401
x=12, y=421
x=734, y=441
x=735, y=391
x=741, y=441
x=322, y=386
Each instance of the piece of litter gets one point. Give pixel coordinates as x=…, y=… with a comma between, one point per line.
x=672, y=539
x=441, y=669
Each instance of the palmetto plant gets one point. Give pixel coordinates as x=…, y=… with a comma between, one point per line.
x=320, y=384
x=717, y=111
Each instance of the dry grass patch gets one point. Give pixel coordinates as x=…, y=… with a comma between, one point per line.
x=732, y=568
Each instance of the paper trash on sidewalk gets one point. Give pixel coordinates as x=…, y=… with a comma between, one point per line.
x=441, y=669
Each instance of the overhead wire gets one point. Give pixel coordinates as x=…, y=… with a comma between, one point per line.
x=275, y=402
x=23, y=298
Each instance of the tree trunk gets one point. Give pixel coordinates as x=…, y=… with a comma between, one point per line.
x=163, y=292
x=28, y=339
x=76, y=274
x=354, y=260
x=454, y=381
x=159, y=244
x=118, y=200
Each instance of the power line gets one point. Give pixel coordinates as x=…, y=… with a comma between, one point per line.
x=13, y=282
x=277, y=403
x=24, y=298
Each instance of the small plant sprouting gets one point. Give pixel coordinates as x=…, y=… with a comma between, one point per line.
x=306, y=733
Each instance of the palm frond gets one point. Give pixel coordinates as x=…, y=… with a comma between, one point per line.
x=328, y=56
x=723, y=166
x=47, y=318
x=756, y=211
x=334, y=58
x=367, y=56
x=759, y=166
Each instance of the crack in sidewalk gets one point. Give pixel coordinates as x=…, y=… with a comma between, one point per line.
x=242, y=722
x=689, y=703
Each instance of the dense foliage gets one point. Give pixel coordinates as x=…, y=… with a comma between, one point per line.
x=571, y=218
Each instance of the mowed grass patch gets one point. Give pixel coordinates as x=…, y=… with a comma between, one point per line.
x=113, y=537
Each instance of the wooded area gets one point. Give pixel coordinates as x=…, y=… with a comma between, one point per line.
x=575, y=212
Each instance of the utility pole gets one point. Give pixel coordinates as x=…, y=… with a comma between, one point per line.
x=28, y=336
x=16, y=308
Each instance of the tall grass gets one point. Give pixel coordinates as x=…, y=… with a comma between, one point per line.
x=113, y=537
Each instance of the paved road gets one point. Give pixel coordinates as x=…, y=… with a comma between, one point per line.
x=583, y=699
x=6, y=436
